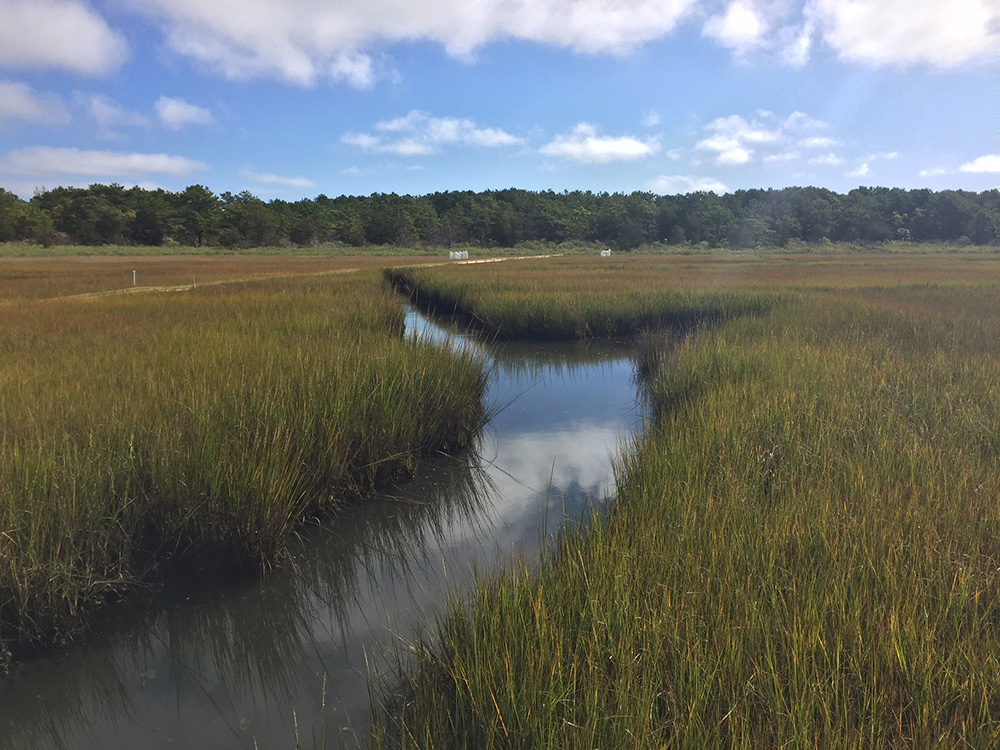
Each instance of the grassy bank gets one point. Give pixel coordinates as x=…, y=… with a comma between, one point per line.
x=562, y=298
x=803, y=553
x=141, y=430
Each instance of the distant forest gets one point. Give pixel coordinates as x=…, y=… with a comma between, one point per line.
x=114, y=215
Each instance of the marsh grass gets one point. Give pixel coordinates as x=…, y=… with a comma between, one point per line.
x=138, y=431
x=804, y=550
x=27, y=278
x=564, y=298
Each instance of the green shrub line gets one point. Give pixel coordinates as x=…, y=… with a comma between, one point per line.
x=141, y=432
x=803, y=552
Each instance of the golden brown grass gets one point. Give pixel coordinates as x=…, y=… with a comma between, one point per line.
x=138, y=429
x=37, y=278
x=804, y=550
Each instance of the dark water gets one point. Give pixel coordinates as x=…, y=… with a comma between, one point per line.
x=252, y=664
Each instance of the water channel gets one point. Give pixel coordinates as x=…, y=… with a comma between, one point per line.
x=245, y=666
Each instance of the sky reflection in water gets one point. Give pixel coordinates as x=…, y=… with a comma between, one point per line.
x=228, y=667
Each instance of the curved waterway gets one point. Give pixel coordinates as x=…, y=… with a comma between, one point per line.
x=254, y=664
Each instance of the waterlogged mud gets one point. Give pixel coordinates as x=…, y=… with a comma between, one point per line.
x=293, y=655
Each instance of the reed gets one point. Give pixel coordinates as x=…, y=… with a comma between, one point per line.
x=142, y=430
x=803, y=552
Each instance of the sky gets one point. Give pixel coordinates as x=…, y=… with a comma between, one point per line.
x=293, y=98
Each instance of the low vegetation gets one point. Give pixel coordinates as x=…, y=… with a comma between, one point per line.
x=562, y=298
x=140, y=432
x=51, y=273
x=804, y=550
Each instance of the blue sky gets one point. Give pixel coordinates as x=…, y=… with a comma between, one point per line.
x=293, y=98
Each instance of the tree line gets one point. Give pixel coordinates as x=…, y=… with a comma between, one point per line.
x=115, y=215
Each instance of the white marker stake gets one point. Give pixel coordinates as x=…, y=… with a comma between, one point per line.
x=133, y=278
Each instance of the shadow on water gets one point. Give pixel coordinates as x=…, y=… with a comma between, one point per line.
x=244, y=666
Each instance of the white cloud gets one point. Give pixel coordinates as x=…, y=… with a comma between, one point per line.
x=988, y=163
x=935, y=172
x=732, y=138
x=735, y=140
x=583, y=144
x=741, y=28
x=818, y=142
x=108, y=115
x=18, y=101
x=272, y=179
x=177, y=114
x=43, y=160
x=418, y=134
x=306, y=41
x=365, y=141
x=782, y=157
x=801, y=121
x=673, y=184
x=65, y=34
x=795, y=44
x=651, y=119
x=861, y=171
x=902, y=32
x=830, y=160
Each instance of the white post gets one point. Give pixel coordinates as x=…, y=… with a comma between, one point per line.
x=133, y=278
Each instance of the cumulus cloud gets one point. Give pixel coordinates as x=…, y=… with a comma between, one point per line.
x=800, y=122
x=829, y=160
x=305, y=41
x=18, y=101
x=861, y=171
x=733, y=138
x=988, y=163
x=65, y=34
x=674, y=184
x=902, y=32
x=651, y=119
x=109, y=115
x=741, y=27
x=818, y=142
x=583, y=144
x=783, y=156
x=177, y=114
x=873, y=32
x=267, y=178
x=418, y=134
x=934, y=172
x=795, y=44
x=736, y=140
x=44, y=160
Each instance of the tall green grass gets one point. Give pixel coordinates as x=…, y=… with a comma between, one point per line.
x=804, y=552
x=535, y=299
x=203, y=426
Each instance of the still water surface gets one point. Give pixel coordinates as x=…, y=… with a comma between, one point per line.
x=242, y=667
